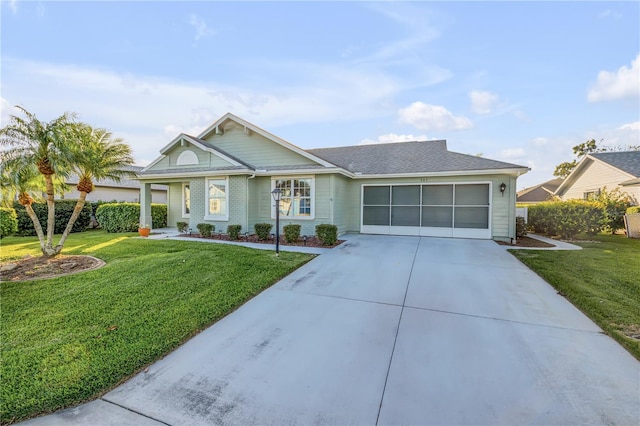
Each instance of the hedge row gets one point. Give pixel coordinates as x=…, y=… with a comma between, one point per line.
x=125, y=217
x=8, y=222
x=633, y=210
x=566, y=218
x=64, y=209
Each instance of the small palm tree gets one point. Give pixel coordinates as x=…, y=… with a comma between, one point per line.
x=45, y=145
x=96, y=155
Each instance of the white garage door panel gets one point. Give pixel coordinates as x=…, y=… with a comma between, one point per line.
x=459, y=210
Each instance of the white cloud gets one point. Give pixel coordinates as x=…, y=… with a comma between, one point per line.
x=609, y=14
x=624, y=83
x=539, y=141
x=512, y=153
x=13, y=5
x=432, y=117
x=635, y=126
x=392, y=137
x=6, y=110
x=202, y=30
x=483, y=102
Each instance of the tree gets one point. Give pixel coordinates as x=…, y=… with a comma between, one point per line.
x=97, y=155
x=589, y=147
x=41, y=154
x=44, y=145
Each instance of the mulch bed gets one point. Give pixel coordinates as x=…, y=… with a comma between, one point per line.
x=527, y=242
x=310, y=241
x=35, y=268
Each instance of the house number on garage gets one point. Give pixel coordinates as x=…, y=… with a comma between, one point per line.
x=424, y=179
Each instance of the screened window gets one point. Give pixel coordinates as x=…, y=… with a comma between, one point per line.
x=376, y=209
x=297, y=197
x=217, y=200
x=186, y=200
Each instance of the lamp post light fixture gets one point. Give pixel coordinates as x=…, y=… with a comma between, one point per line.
x=277, y=196
x=503, y=187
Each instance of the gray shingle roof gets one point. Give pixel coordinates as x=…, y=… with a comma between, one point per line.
x=627, y=161
x=124, y=182
x=215, y=148
x=406, y=157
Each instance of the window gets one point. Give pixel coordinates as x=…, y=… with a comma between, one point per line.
x=591, y=195
x=217, y=200
x=297, y=197
x=186, y=200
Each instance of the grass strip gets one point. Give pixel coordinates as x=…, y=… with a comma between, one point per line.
x=602, y=280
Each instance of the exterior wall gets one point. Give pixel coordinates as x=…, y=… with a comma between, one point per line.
x=236, y=192
x=502, y=206
x=260, y=202
x=346, y=204
x=595, y=176
x=174, y=206
x=131, y=195
x=255, y=149
x=205, y=159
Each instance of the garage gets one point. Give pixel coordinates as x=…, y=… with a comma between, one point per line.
x=461, y=210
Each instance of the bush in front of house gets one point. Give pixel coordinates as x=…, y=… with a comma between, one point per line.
x=182, y=226
x=633, y=210
x=263, y=230
x=291, y=233
x=119, y=217
x=521, y=227
x=8, y=221
x=566, y=218
x=234, y=232
x=205, y=229
x=125, y=217
x=64, y=210
x=327, y=234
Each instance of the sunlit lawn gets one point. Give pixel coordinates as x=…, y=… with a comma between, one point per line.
x=69, y=339
x=602, y=280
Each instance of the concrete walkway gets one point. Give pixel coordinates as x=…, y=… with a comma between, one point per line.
x=389, y=330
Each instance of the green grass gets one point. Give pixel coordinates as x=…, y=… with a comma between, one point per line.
x=602, y=280
x=69, y=339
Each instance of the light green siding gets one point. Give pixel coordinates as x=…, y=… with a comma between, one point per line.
x=205, y=159
x=502, y=207
x=256, y=149
x=346, y=204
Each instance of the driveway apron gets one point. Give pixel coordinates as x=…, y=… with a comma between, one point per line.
x=390, y=330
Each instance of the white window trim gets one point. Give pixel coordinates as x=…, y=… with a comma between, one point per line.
x=219, y=218
x=312, y=216
x=184, y=214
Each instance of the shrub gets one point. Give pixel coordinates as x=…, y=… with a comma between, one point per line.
x=291, y=233
x=119, y=217
x=64, y=210
x=158, y=215
x=614, y=203
x=521, y=227
x=8, y=221
x=182, y=226
x=234, y=231
x=205, y=229
x=263, y=230
x=633, y=210
x=327, y=234
x=566, y=218
x=125, y=217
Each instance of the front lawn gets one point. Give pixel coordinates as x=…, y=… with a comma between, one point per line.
x=69, y=339
x=602, y=280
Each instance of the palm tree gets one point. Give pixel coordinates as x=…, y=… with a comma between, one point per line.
x=47, y=145
x=97, y=155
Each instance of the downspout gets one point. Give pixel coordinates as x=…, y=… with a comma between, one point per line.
x=247, y=200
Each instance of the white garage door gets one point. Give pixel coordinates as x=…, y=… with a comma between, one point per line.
x=460, y=210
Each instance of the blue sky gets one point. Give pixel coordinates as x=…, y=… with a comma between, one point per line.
x=515, y=81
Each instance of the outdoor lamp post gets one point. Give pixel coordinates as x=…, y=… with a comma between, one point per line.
x=277, y=196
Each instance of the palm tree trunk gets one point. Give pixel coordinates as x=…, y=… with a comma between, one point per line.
x=72, y=220
x=51, y=217
x=36, y=225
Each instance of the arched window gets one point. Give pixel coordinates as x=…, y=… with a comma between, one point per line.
x=187, y=158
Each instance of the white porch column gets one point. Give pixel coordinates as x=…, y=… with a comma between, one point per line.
x=145, y=204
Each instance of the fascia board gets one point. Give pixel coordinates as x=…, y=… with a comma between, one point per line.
x=514, y=172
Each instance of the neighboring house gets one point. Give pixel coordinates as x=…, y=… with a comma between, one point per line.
x=225, y=176
x=127, y=190
x=539, y=193
x=605, y=169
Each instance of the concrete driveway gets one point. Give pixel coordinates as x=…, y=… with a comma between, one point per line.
x=389, y=330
